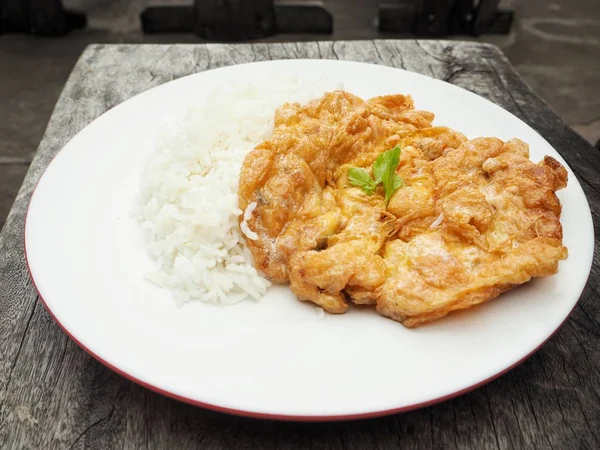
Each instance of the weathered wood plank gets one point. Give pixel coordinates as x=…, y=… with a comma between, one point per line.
x=53, y=395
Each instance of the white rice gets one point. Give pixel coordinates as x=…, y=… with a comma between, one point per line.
x=188, y=206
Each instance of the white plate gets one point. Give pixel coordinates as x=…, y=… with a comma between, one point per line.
x=274, y=358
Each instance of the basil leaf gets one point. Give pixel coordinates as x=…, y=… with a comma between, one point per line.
x=394, y=183
x=386, y=163
x=384, y=171
x=361, y=178
x=379, y=167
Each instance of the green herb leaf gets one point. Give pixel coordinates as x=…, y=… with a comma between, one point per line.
x=384, y=171
x=379, y=168
x=386, y=163
x=395, y=183
x=361, y=178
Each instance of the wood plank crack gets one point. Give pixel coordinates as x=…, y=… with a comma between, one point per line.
x=334, y=51
x=97, y=422
x=450, y=77
x=378, y=53
x=432, y=55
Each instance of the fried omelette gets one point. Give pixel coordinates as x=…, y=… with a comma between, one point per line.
x=473, y=219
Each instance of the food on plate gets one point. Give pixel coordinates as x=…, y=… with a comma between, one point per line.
x=350, y=201
x=366, y=202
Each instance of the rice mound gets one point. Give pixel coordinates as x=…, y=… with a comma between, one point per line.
x=188, y=207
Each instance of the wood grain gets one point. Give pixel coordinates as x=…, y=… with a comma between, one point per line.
x=53, y=395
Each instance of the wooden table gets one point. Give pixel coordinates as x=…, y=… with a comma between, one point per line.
x=54, y=395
